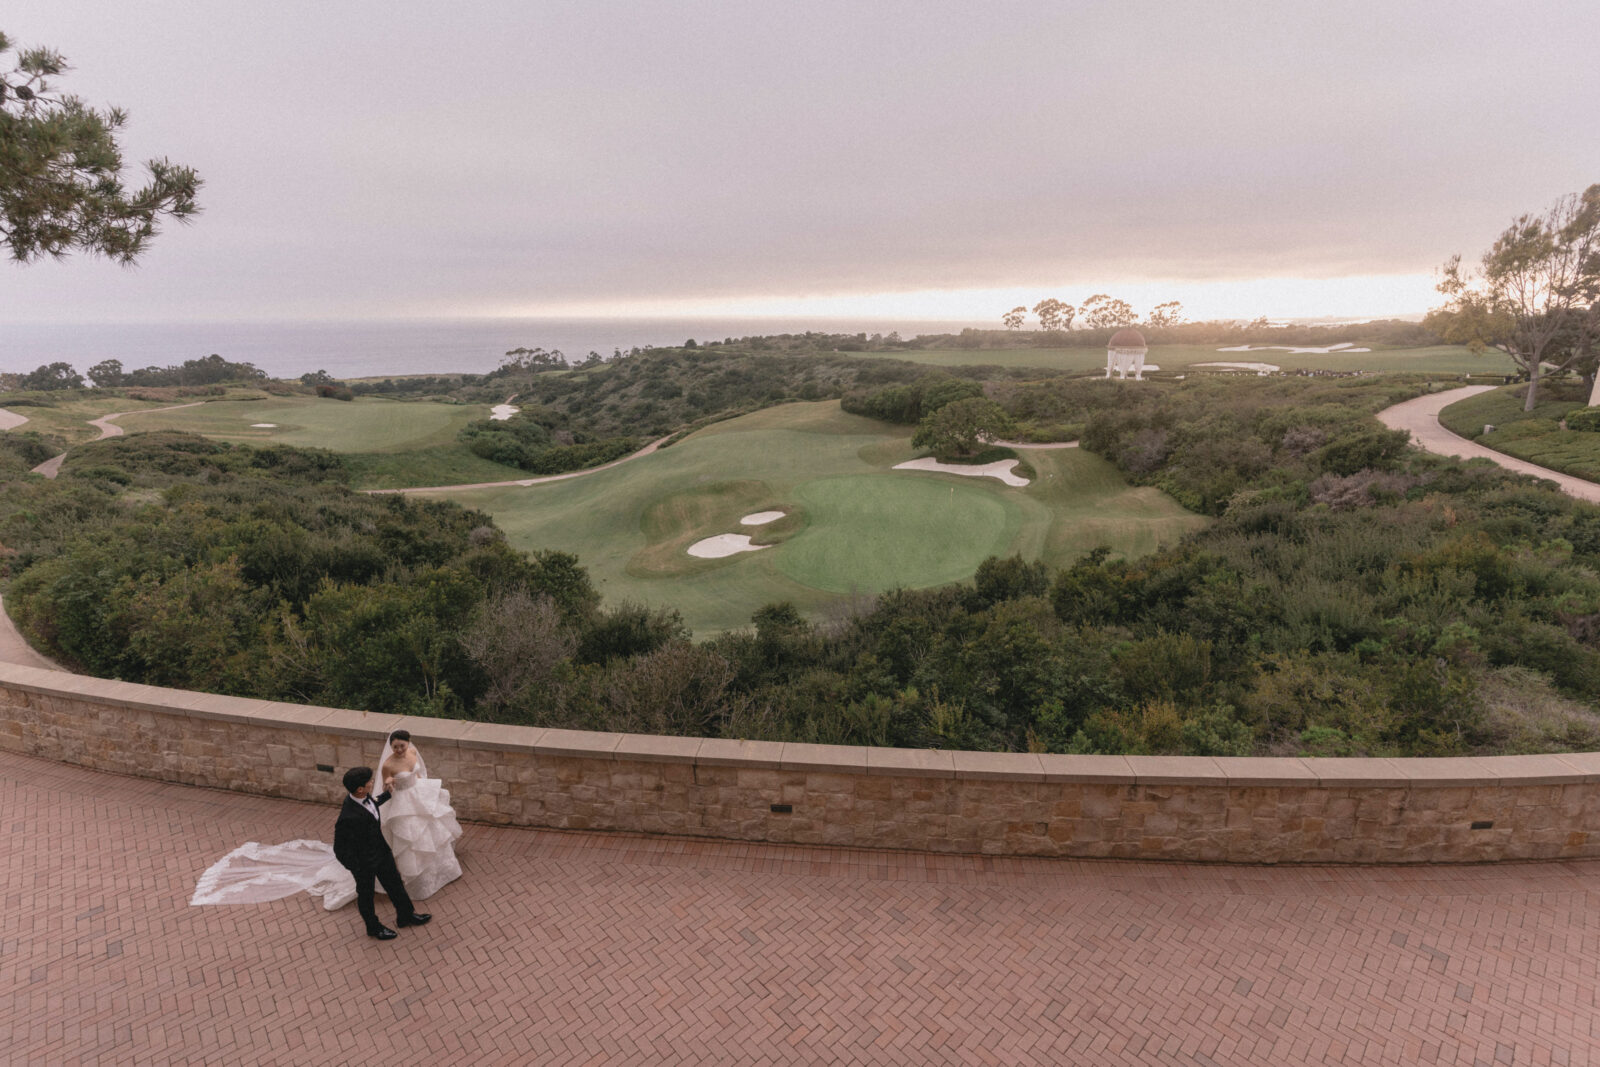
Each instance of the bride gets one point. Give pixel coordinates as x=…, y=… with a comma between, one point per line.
x=417, y=821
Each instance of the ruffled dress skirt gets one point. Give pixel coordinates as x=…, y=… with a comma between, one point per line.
x=421, y=828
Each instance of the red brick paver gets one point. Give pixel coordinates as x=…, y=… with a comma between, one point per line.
x=607, y=949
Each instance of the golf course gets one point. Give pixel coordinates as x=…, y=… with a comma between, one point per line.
x=851, y=525
x=385, y=443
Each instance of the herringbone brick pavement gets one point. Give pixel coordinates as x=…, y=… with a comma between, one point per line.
x=610, y=949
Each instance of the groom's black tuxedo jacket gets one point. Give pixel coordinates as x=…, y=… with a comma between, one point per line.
x=358, y=839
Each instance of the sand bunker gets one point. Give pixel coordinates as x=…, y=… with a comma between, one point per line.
x=10, y=420
x=1000, y=468
x=263, y=426
x=502, y=412
x=1345, y=347
x=723, y=545
x=761, y=518
x=1259, y=368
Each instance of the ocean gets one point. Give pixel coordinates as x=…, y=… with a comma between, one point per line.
x=375, y=348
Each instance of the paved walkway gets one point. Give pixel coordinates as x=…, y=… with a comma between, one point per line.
x=14, y=648
x=1421, y=417
x=615, y=949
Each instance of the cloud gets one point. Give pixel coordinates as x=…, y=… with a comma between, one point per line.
x=373, y=159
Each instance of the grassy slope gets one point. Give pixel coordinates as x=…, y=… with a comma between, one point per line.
x=855, y=525
x=1536, y=435
x=69, y=416
x=386, y=443
x=1440, y=359
x=365, y=425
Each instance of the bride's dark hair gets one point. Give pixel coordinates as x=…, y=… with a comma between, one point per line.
x=356, y=777
x=400, y=735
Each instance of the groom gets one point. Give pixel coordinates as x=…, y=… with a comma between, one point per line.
x=358, y=844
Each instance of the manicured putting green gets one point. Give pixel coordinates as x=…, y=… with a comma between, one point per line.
x=852, y=525
x=867, y=533
x=369, y=424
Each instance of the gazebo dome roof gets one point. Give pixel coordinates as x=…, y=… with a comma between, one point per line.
x=1127, y=338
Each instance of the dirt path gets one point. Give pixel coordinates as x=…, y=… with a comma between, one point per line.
x=108, y=428
x=52, y=466
x=645, y=451
x=1421, y=418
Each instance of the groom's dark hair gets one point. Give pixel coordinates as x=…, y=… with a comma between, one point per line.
x=356, y=777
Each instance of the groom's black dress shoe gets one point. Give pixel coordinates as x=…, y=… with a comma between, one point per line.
x=417, y=919
x=383, y=933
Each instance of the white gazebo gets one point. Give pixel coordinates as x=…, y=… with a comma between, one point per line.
x=1125, y=353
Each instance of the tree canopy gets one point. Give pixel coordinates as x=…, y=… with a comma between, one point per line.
x=61, y=171
x=1535, y=293
x=963, y=427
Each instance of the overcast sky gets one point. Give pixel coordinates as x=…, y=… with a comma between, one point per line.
x=925, y=159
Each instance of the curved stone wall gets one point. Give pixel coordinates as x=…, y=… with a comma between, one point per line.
x=1244, y=810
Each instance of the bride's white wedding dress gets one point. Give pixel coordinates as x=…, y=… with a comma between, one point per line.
x=417, y=820
x=421, y=828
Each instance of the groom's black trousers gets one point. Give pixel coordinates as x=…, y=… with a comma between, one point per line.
x=359, y=845
x=387, y=873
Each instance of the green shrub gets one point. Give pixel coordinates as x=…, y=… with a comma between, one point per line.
x=1585, y=420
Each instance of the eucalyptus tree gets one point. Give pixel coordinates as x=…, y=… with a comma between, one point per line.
x=1102, y=312
x=61, y=172
x=1054, y=314
x=1534, y=293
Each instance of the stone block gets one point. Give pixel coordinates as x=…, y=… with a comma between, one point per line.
x=1175, y=770
x=911, y=762
x=720, y=752
x=655, y=749
x=998, y=766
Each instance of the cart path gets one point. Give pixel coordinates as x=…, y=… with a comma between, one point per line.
x=14, y=648
x=622, y=949
x=108, y=428
x=645, y=451
x=1421, y=418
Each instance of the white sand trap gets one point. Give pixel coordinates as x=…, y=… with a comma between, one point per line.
x=263, y=426
x=1345, y=347
x=502, y=412
x=10, y=420
x=724, y=545
x=761, y=518
x=1000, y=468
x=1259, y=368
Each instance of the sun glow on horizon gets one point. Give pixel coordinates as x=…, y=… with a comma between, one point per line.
x=1370, y=296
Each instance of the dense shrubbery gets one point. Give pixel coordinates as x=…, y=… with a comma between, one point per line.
x=655, y=392
x=526, y=441
x=913, y=401
x=174, y=560
x=1352, y=596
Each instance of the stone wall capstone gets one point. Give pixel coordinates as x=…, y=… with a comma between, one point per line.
x=1236, y=810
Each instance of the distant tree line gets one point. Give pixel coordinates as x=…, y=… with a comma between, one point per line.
x=109, y=374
